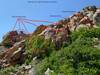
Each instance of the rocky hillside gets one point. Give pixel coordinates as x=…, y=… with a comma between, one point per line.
x=68, y=47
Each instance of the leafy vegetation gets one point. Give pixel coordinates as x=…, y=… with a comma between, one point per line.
x=79, y=58
x=7, y=42
x=38, y=46
x=9, y=70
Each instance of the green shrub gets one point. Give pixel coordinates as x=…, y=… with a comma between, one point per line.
x=39, y=47
x=76, y=34
x=8, y=71
x=79, y=58
x=94, y=32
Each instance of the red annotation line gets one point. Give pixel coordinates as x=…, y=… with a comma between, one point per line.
x=23, y=21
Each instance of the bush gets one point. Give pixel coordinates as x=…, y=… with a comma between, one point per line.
x=76, y=34
x=39, y=47
x=94, y=32
x=6, y=42
x=79, y=58
x=8, y=71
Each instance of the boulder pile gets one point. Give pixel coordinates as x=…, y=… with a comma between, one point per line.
x=12, y=48
x=13, y=55
x=59, y=32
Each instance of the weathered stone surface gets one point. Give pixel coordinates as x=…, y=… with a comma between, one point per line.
x=13, y=55
x=48, y=71
x=96, y=16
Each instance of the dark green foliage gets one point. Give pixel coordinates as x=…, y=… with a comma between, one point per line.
x=6, y=42
x=74, y=35
x=82, y=32
x=79, y=58
x=7, y=71
x=95, y=32
x=38, y=46
x=76, y=57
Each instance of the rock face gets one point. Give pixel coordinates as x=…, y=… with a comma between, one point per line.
x=48, y=71
x=88, y=18
x=96, y=16
x=2, y=48
x=12, y=37
x=39, y=29
x=12, y=49
x=59, y=32
x=13, y=55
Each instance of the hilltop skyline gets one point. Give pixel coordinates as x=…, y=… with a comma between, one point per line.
x=38, y=11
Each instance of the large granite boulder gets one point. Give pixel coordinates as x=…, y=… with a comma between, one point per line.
x=96, y=16
x=13, y=55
